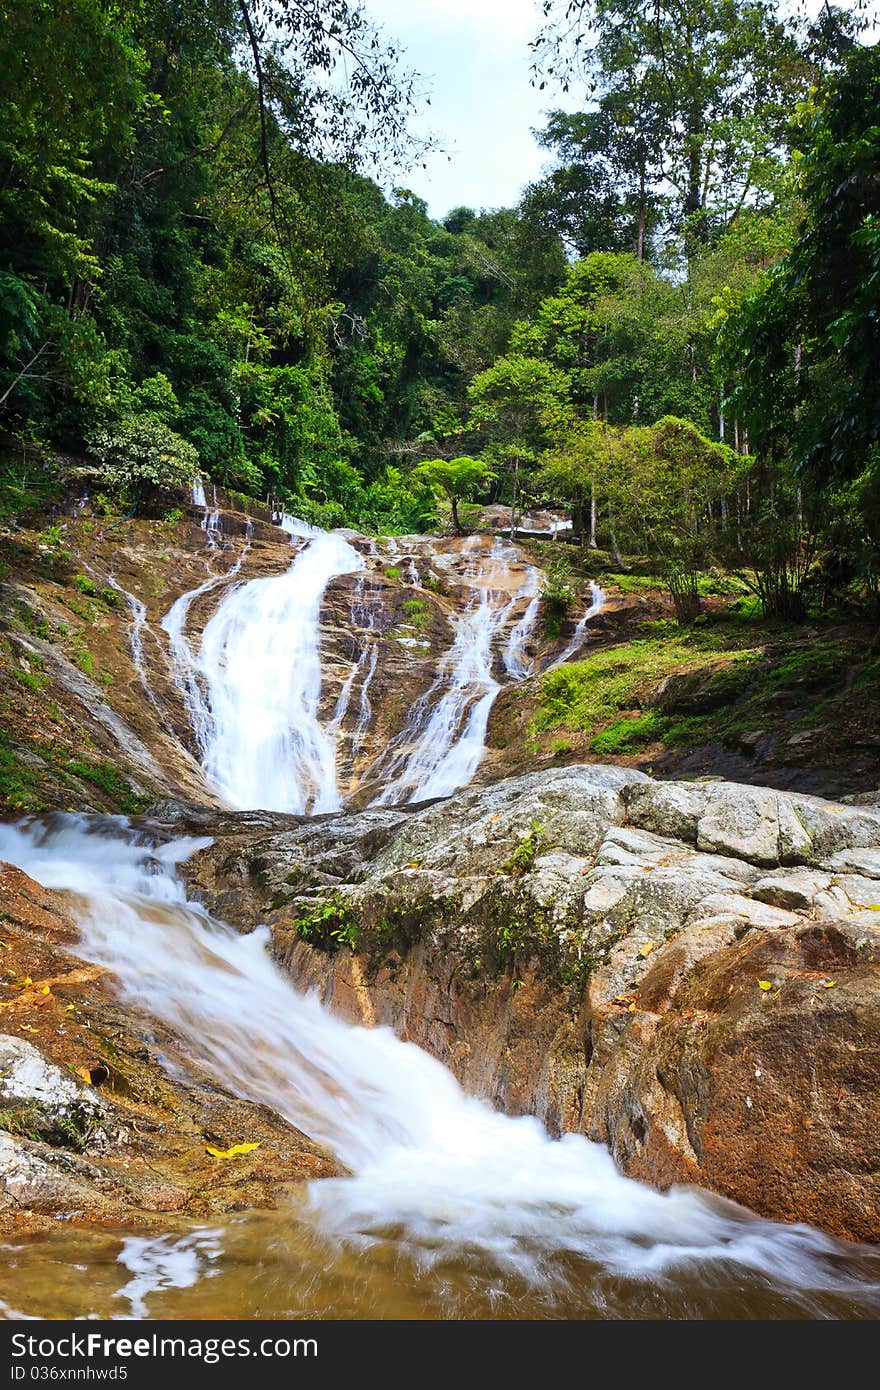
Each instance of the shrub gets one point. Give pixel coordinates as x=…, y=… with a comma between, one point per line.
x=140, y=454
x=557, y=593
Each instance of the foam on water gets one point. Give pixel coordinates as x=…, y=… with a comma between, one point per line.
x=441, y=1170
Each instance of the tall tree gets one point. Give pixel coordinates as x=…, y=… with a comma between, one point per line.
x=509, y=399
x=710, y=82
x=602, y=195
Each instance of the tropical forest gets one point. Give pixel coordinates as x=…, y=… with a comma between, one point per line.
x=439, y=661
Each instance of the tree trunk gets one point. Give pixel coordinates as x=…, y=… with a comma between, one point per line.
x=513, y=503
x=593, y=545
x=455, y=521
x=615, y=548
x=640, y=234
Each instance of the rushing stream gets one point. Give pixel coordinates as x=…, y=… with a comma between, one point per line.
x=253, y=686
x=451, y=1209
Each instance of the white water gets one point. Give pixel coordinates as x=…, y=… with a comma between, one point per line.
x=363, y=617
x=516, y=664
x=183, y=661
x=441, y=743
x=138, y=612
x=260, y=736
x=597, y=602
x=253, y=689
x=447, y=1175
x=198, y=493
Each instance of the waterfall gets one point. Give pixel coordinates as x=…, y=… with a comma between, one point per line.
x=515, y=662
x=257, y=723
x=138, y=611
x=597, y=602
x=198, y=493
x=183, y=662
x=441, y=744
x=253, y=687
x=453, y=1179
x=448, y=723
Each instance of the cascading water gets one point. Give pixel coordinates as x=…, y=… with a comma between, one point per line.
x=253, y=688
x=257, y=722
x=138, y=611
x=183, y=664
x=597, y=602
x=516, y=663
x=454, y=1193
x=363, y=616
x=442, y=741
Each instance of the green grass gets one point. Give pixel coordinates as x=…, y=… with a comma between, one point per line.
x=731, y=677
x=110, y=780
x=626, y=735
x=582, y=694
x=19, y=782
x=418, y=614
x=525, y=853
x=85, y=661
x=708, y=585
x=30, y=680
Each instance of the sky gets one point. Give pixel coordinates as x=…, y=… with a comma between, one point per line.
x=475, y=57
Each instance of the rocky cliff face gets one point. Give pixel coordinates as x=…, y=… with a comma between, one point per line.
x=686, y=971
x=96, y=709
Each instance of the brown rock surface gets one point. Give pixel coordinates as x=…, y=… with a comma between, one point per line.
x=604, y=975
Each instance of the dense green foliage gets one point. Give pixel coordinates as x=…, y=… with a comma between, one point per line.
x=674, y=334
x=189, y=256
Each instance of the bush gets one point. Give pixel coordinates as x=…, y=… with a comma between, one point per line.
x=557, y=593
x=140, y=454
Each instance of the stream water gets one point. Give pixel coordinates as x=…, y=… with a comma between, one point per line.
x=252, y=688
x=452, y=1209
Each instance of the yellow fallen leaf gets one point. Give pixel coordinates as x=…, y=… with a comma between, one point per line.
x=827, y=984
x=646, y=948
x=765, y=984
x=69, y=1008
x=874, y=907
x=45, y=990
x=413, y=864
x=85, y=1074
x=231, y=1153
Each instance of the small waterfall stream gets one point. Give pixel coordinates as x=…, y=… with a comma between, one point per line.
x=263, y=745
x=253, y=686
x=468, y=1204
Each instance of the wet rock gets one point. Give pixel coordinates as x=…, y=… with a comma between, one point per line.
x=92, y=1125
x=585, y=945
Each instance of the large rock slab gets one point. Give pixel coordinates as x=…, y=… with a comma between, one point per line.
x=687, y=971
